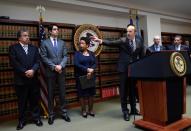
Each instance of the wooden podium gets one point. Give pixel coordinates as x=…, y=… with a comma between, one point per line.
x=162, y=94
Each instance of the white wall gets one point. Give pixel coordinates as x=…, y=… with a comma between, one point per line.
x=150, y=23
x=175, y=27
x=61, y=15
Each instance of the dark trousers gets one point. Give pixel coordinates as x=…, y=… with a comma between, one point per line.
x=28, y=93
x=54, y=80
x=127, y=85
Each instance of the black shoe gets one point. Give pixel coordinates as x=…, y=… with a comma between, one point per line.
x=84, y=114
x=38, y=122
x=21, y=125
x=50, y=120
x=66, y=117
x=134, y=112
x=92, y=114
x=126, y=116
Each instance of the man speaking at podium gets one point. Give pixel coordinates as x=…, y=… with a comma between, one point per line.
x=131, y=49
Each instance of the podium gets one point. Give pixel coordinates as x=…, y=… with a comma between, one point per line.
x=162, y=93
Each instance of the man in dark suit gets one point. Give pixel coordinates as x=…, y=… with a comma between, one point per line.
x=156, y=47
x=131, y=49
x=177, y=45
x=24, y=58
x=54, y=55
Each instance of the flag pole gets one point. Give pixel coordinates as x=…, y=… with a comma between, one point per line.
x=43, y=91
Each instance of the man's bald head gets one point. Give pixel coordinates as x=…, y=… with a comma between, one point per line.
x=131, y=31
x=156, y=39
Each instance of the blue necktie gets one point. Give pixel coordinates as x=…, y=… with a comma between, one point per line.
x=55, y=46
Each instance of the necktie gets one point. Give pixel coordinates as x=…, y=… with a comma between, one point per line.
x=157, y=48
x=25, y=47
x=131, y=45
x=177, y=47
x=55, y=45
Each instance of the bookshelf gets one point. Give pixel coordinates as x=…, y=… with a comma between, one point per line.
x=8, y=32
x=107, y=81
x=168, y=38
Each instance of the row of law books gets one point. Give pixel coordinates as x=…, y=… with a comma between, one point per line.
x=108, y=58
x=70, y=59
x=110, y=68
x=109, y=83
x=166, y=39
x=70, y=87
x=7, y=94
x=72, y=95
x=69, y=46
x=6, y=78
x=110, y=92
x=10, y=31
x=110, y=35
x=8, y=108
x=4, y=45
x=4, y=63
x=64, y=33
x=110, y=49
x=70, y=72
x=35, y=43
x=109, y=80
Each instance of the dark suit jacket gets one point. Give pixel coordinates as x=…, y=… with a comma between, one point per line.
x=22, y=62
x=182, y=47
x=82, y=64
x=126, y=55
x=151, y=49
x=50, y=58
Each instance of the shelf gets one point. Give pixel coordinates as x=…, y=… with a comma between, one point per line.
x=106, y=63
x=66, y=40
x=110, y=51
x=3, y=85
x=9, y=69
x=109, y=73
x=14, y=38
x=110, y=85
x=8, y=100
x=113, y=29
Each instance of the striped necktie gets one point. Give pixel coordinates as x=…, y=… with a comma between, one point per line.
x=25, y=47
x=131, y=44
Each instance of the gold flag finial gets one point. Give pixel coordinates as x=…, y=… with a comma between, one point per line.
x=40, y=9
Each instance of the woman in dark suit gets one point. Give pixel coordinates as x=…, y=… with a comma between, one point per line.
x=85, y=64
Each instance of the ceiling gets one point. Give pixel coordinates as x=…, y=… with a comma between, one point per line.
x=179, y=8
x=175, y=8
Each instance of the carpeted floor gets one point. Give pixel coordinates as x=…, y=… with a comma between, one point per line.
x=108, y=118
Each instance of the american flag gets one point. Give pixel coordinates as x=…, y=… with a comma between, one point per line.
x=42, y=33
x=43, y=85
x=137, y=26
x=131, y=21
